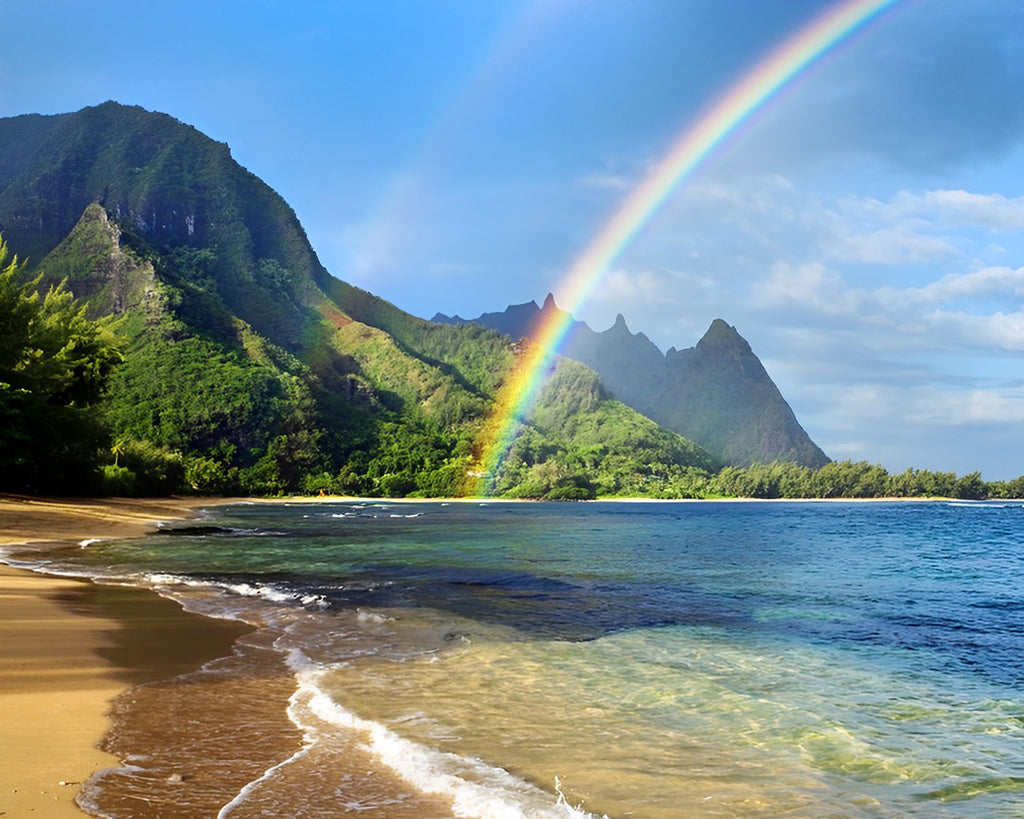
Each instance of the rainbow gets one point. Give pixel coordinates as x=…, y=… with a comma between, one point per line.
x=793, y=56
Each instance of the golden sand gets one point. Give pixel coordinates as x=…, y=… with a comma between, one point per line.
x=63, y=656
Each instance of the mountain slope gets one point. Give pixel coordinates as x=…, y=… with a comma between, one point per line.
x=717, y=394
x=246, y=363
x=176, y=190
x=195, y=378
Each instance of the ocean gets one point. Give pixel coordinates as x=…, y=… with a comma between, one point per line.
x=654, y=660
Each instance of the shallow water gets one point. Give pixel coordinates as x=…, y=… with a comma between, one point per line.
x=651, y=659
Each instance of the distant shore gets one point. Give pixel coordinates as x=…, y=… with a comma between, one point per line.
x=639, y=499
x=64, y=657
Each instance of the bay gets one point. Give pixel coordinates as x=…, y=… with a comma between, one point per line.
x=622, y=659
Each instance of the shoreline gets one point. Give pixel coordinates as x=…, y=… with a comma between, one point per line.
x=636, y=499
x=71, y=646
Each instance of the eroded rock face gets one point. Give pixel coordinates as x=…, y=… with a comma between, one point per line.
x=99, y=271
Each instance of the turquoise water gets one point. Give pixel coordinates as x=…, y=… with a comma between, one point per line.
x=647, y=659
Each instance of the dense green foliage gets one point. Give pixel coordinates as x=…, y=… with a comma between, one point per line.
x=374, y=401
x=205, y=403
x=579, y=444
x=54, y=365
x=847, y=479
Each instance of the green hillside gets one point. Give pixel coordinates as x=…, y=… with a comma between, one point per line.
x=246, y=366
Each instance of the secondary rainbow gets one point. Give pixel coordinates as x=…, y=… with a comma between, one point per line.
x=740, y=101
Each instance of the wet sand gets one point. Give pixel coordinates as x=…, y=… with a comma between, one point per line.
x=69, y=647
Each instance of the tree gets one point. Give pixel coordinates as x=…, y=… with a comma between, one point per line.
x=971, y=487
x=54, y=366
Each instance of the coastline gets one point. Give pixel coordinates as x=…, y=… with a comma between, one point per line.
x=71, y=646
x=296, y=499
x=68, y=649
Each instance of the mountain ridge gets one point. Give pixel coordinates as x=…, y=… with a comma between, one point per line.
x=716, y=393
x=249, y=368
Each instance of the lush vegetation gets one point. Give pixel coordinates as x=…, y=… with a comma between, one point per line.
x=370, y=401
x=54, y=364
x=843, y=479
x=579, y=444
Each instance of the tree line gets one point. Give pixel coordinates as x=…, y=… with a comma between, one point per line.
x=848, y=479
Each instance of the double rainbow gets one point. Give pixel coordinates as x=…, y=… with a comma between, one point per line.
x=796, y=54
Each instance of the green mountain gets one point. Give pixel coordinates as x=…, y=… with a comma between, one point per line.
x=247, y=367
x=717, y=394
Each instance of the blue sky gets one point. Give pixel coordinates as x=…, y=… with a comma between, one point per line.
x=864, y=232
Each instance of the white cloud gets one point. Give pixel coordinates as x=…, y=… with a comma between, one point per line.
x=769, y=212
x=891, y=245
x=987, y=280
x=1000, y=331
x=992, y=211
x=990, y=406
x=810, y=285
x=922, y=425
x=950, y=208
x=803, y=260
x=620, y=286
x=952, y=409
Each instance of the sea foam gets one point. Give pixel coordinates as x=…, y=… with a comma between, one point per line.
x=474, y=788
x=308, y=740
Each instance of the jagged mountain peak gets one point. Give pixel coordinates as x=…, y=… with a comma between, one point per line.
x=722, y=336
x=716, y=393
x=720, y=330
x=99, y=271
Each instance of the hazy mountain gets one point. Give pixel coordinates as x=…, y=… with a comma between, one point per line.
x=717, y=393
x=250, y=366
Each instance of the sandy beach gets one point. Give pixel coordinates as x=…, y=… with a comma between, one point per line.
x=68, y=651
